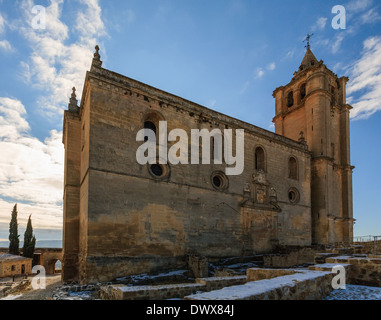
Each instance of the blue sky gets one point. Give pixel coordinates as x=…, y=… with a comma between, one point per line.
x=228, y=55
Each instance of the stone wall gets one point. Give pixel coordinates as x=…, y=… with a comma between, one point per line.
x=103, y=269
x=255, y=274
x=369, y=247
x=301, y=285
x=159, y=292
x=289, y=257
x=15, y=267
x=126, y=213
x=215, y=283
x=199, y=266
x=363, y=270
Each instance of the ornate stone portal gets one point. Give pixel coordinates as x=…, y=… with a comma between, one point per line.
x=259, y=194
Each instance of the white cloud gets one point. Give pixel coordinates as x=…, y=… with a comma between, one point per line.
x=259, y=73
x=271, y=66
x=358, y=5
x=364, y=87
x=370, y=16
x=5, y=45
x=31, y=171
x=320, y=24
x=337, y=41
x=46, y=217
x=2, y=24
x=12, y=121
x=55, y=65
x=89, y=22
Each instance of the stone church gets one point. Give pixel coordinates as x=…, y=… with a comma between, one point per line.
x=122, y=218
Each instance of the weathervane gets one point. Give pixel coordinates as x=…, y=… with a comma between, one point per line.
x=308, y=40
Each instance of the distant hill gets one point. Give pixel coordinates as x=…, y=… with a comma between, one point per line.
x=39, y=244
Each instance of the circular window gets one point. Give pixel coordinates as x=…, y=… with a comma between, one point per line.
x=219, y=180
x=293, y=195
x=158, y=171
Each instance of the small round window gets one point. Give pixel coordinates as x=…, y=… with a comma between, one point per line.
x=293, y=195
x=158, y=171
x=219, y=180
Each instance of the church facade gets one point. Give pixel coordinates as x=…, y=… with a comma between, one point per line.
x=123, y=218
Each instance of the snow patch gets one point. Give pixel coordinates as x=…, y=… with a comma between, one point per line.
x=355, y=292
x=11, y=297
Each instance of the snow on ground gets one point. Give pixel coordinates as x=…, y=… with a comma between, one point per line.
x=355, y=292
x=11, y=297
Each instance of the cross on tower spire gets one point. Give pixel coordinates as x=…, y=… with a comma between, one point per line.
x=307, y=39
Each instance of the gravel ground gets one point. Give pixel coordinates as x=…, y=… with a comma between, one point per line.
x=52, y=282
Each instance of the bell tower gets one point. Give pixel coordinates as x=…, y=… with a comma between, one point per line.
x=312, y=108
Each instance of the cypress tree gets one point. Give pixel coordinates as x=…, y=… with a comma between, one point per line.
x=29, y=240
x=14, y=241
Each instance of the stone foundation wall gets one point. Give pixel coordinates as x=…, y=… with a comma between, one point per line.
x=123, y=292
x=306, y=285
x=199, y=266
x=167, y=291
x=104, y=269
x=215, y=283
x=363, y=270
x=255, y=274
x=290, y=257
x=259, y=284
x=370, y=247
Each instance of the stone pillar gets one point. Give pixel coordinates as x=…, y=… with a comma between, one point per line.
x=199, y=266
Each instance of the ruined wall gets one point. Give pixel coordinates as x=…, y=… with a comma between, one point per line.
x=15, y=267
x=362, y=271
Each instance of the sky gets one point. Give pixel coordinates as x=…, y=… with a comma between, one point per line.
x=228, y=55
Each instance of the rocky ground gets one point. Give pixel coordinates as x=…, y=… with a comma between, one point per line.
x=52, y=283
x=356, y=292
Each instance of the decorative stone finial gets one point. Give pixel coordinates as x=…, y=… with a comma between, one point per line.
x=97, y=58
x=73, y=103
